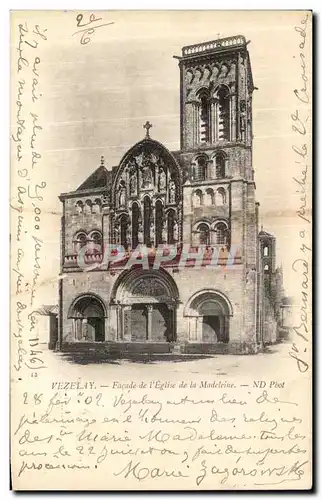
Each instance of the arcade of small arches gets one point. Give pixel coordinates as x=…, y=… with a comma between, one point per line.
x=205, y=168
x=144, y=306
x=91, y=239
x=147, y=222
x=207, y=233
x=88, y=207
x=209, y=197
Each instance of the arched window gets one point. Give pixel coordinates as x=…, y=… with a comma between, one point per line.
x=220, y=197
x=96, y=207
x=222, y=114
x=79, y=207
x=171, y=224
x=79, y=241
x=221, y=233
x=95, y=239
x=204, y=116
x=135, y=224
x=265, y=251
x=88, y=207
x=147, y=220
x=200, y=167
x=204, y=234
x=158, y=221
x=266, y=269
x=123, y=230
x=209, y=198
x=197, y=198
x=220, y=161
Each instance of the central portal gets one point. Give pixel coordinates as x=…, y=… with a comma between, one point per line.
x=146, y=302
x=151, y=322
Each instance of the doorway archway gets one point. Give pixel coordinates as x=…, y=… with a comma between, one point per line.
x=88, y=314
x=209, y=313
x=145, y=303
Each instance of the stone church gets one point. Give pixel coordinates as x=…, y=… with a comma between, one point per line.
x=201, y=197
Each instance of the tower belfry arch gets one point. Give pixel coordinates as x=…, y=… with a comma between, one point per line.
x=216, y=93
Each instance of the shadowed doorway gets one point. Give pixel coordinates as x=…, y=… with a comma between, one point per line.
x=88, y=319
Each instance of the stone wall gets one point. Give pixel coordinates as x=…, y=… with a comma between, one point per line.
x=230, y=281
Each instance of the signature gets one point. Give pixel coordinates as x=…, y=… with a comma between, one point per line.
x=140, y=473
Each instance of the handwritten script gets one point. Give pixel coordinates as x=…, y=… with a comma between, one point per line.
x=27, y=195
x=213, y=438
x=300, y=120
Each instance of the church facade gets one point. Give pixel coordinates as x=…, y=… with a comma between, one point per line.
x=221, y=290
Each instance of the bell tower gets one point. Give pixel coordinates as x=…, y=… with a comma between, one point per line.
x=216, y=88
x=216, y=94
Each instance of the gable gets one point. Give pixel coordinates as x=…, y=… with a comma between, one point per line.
x=99, y=178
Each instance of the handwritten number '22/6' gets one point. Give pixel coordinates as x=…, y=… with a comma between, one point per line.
x=85, y=38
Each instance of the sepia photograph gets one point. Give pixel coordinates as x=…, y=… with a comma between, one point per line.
x=161, y=250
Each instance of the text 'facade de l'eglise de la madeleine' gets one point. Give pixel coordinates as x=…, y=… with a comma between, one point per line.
x=221, y=290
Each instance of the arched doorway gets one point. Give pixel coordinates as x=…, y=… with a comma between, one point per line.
x=209, y=312
x=145, y=303
x=88, y=316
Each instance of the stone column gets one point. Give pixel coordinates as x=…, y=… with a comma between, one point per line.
x=149, y=321
x=199, y=328
x=215, y=120
x=233, y=117
x=226, y=331
x=212, y=122
x=194, y=123
x=78, y=328
x=211, y=167
x=111, y=324
x=127, y=323
x=222, y=328
x=193, y=328
x=119, y=334
x=84, y=329
x=74, y=332
x=106, y=329
x=230, y=119
x=152, y=219
x=105, y=227
x=198, y=122
x=172, y=322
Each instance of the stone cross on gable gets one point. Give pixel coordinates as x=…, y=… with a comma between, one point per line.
x=147, y=126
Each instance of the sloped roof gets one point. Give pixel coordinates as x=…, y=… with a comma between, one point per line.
x=265, y=233
x=99, y=178
x=46, y=310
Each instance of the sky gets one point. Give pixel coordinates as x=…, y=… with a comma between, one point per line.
x=97, y=96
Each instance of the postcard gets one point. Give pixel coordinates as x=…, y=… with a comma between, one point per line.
x=161, y=250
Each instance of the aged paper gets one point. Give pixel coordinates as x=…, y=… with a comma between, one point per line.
x=161, y=250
